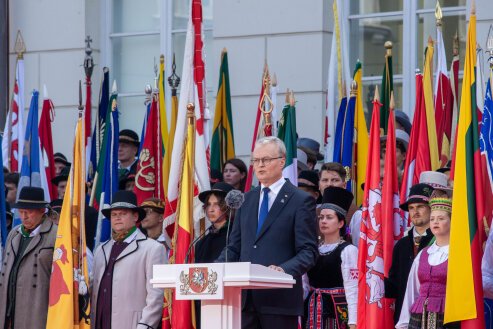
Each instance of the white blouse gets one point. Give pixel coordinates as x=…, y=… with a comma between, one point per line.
x=349, y=268
x=437, y=255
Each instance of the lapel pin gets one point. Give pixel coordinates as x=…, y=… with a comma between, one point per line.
x=282, y=200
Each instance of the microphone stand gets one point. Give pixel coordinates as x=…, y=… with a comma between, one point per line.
x=227, y=234
x=194, y=242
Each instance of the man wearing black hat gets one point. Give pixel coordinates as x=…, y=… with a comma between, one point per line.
x=27, y=262
x=60, y=181
x=406, y=249
x=128, y=147
x=308, y=182
x=122, y=295
x=312, y=149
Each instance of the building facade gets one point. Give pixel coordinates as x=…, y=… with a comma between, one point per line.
x=293, y=37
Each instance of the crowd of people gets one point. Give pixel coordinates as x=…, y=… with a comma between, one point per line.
x=310, y=231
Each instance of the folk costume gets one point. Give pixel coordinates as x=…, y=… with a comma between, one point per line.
x=424, y=301
x=27, y=267
x=333, y=297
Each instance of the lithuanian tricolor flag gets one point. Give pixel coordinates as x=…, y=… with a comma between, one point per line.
x=361, y=130
x=69, y=299
x=464, y=296
x=222, y=144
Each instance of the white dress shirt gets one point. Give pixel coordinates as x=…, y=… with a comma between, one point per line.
x=274, y=191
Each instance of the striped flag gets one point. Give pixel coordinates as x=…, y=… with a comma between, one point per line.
x=430, y=108
x=464, y=293
x=287, y=133
x=361, y=139
x=14, y=132
x=339, y=130
x=387, y=88
x=373, y=309
x=444, y=100
x=107, y=174
x=46, y=141
x=486, y=146
x=31, y=173
x=69, y=298
x=223, y=143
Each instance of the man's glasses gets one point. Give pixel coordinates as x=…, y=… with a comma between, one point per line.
x=265, y=161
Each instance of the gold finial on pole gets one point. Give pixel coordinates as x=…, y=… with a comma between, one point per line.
x=438, y=14
x=354, y=88
x=274, y=80
x=392, y=102
x=287, y=96
x=376, y=97
x=473, y=7
x=292, y=100
x=19, y=47
x=388, y=45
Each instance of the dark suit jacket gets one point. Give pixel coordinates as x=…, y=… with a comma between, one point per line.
x=402, y=260
x=287, y=239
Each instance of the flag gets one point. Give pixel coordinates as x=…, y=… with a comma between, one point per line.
x=258, y=128
x=444, y=100
x=337, y=78
x=373, y=309
x=361, y=139
x=223, y=143
x=88, y=68
x=339, y=131
x=464, y=292
x=106, y=178
x=418, y=150
x=144, y=124
x=13, y=133
x=99, y=124
x=486, y=146
x=430, y=110
x=274, y=113
x=169, y=145
x=387, y=88
x=454, y=85
x=183, y=315
x=31, y=173
x=69, y=298
x=163, y=119
x=188, y=95
x=46, y=142
x=148, y=179
x=287, y=133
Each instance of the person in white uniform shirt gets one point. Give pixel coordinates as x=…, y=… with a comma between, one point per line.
x=333, y=280
x=424, y=300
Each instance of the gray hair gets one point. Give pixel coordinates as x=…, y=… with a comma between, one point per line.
x=281, y=148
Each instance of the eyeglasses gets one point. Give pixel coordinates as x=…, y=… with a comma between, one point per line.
x=265, y=161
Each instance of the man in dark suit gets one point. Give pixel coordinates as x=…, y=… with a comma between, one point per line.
x=275, y=227
x=406, y=249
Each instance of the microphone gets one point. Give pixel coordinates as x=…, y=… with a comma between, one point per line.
x=234, y=199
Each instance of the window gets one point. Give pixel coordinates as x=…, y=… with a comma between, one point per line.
x=407, y=24
x=137, y=33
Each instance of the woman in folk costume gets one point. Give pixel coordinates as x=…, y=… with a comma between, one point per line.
x=332, y=300
x=424, y=301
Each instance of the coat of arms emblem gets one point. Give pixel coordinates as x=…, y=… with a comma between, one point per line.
x=199, y=280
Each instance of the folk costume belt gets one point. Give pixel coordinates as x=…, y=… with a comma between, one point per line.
x=316, y=306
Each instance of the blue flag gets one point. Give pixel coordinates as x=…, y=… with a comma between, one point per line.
x=98, y=132
x=486, y=141
x=348, y=140
x=107, y=183
x=31, y=174
x=337, y=157
x=144, y=127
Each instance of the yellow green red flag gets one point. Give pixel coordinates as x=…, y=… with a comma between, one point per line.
x=362, y=138
x=464, y=297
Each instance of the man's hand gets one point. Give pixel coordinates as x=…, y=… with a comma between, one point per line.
x=352, y=326
x=276, y=268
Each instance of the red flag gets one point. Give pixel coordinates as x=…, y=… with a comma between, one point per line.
x=258, y=130
x=373, y=309
x=454, y=84
x=46, y=142
x=148, y=180
x=418, y=151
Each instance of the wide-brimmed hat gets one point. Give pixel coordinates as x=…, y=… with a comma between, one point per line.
x=153, y=203
x=59, y=157
x=220, y=188
x=309, y=179
x=129, y=136
x=124, y=200
x=435, y=179
x=402, y=118
x=31, y=197
x=310, y=147
x=419, y=193
x=302, y=160
x=63, y=176
x=338, y=199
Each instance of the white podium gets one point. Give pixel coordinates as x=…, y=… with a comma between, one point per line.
x=219, y=287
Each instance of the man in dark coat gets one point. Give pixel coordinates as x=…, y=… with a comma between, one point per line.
x=406, y=249
x=274, y=227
